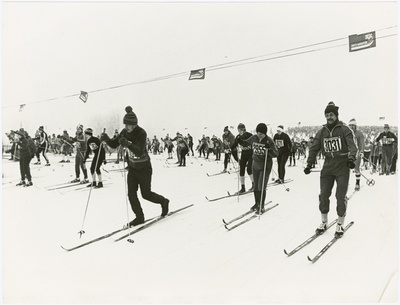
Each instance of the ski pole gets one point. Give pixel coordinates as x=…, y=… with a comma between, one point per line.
x=126, y=199
x=81, y=232
x=370, y=182
x=263, y=181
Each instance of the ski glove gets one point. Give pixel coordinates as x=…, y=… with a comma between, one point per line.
x=104, y=137
x=350, y=164
x=307, y=170
x=124, y=142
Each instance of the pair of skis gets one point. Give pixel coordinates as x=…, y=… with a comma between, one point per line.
x=146, y=224
x=242, y=221
x=314, y=237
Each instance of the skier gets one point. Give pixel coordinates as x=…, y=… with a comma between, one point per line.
x=66, y=146
x=133, y=138
x=388, y=140
x=183, y=148
x=80, y=146
x=190, y=143
x=338, y=145
x=263, y=147
x=228, y=139
x=284, y=145
x=246, y=158
x=360, y=145
x=43, y=146
x=94, y=144
x=293, y=151
x=26, y=154
x=217, y=147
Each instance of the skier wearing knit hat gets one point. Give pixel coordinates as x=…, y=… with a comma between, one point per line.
x=80, y=147
x=94, y=144
x=264, y=149
x=360, y=144
x=228, y=139
x=43, y=146
x=284, y=145
x=337, y=143
x=133, y=139
x=388, y=140
x=246, y=157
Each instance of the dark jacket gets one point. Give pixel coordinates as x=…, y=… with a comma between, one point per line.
x=138, y=157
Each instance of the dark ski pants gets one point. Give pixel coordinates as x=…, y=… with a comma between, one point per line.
x=259, y=176
x=183, y=153
x=79, y=164
x=387, y=154
x=246, y=160
x=96, y=164
x=282, y=159
x=334, y=170
x=142, y=178
x=292, y=156
x=394, y=161
x=24, y=168
x=42, y=149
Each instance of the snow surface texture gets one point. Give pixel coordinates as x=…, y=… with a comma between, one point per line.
x=191, y=257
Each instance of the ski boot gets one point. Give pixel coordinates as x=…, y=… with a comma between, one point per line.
x=28, y=184
x=260, y=211
x=339, y=231
x=93, y=184
x=255, y=207
x=321, y=229
x=47, y=164
x=164, y=207
x=84, y=181
x=37, y=163
x=137, y=221
x=242, y=190
x=22, y=183
x=357, y=188
x=75, y=180
x=99, y=185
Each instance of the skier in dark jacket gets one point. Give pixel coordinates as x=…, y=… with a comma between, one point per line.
x=133, y=139
x=282, y=141
x=25, y=156
x=389, y=139
x=338, y=144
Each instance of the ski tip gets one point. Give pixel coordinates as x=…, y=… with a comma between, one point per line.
x=223, y=220
x=309, y=258
x=64, y=248
x=226, y=227
x=284, y=250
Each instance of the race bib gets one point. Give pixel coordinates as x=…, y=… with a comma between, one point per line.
x=279, y=143
x=259, y=149
x=332, y=144
x=93, y=146
x=132, y=156
x=386, y=140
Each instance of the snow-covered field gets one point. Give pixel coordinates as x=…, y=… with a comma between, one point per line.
x=190, y=257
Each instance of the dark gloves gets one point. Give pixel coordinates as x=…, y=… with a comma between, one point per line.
x=351, y=164
x=307, y=170
x=124, y=142
x=104, y=137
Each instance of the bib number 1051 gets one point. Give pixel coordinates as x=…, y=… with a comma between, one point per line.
x=332, y=144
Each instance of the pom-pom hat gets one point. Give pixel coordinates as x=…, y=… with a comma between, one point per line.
x=332, y=108
x=262, y=128
x=89, y=131
x=130, y=117
x=353, y=122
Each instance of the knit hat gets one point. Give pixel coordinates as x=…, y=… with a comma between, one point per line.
x=280, y=128
x=89, y=131
x=130, y=118
x=353, y=122
x=241, y=126
x=80, y=126
x=226, y=128
x=262, y=128
x=386, y=126
x=332, y=108
x=41, y=128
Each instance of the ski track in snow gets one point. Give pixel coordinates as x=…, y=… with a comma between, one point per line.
x=191, y=257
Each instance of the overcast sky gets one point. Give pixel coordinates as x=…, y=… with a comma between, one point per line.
x=53, y=50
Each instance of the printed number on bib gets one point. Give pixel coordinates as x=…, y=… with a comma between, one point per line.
x=279, y=143
x=258, y=149
x=93, y=146
x=332, y=144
